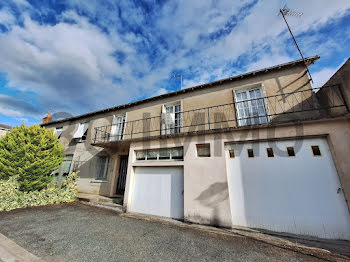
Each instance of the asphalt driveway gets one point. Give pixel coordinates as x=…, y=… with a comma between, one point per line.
x=77, y=232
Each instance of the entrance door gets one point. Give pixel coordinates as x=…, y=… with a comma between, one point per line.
x=123, y=169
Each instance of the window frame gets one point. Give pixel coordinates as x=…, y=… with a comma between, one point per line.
x=172, y=156
x=247, y=120
x=233, y=155
x=267, y=152
x=250, y=150
x=292, y=147
x=105, y=169
x=206, y=146
x=117, y=137
x=177, y=128
x=58, y=132
x=312, y=151
x=58, y=173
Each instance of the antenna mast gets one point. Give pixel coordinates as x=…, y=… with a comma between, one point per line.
x=178, y=76
x=286, y=11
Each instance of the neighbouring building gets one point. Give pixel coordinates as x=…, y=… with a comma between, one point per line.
x=261, y=150
x=4, y=129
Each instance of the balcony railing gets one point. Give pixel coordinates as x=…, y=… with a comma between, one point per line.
x=300, y=105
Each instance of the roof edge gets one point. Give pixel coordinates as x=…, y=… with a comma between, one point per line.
x=309, y=60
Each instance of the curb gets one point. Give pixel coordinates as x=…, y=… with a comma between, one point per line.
x=113, y=207
x=11, y=252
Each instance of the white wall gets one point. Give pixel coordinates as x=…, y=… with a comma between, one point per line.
x=287, y=194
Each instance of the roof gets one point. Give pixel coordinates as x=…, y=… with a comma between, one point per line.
x=308, y=60
x=7, y=127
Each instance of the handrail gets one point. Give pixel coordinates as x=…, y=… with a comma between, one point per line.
x=309, y=101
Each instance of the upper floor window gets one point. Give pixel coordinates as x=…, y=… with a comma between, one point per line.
x=81, y=133
x=251, y=107
x=58, y=131
x=171, y=118
x=117, y=128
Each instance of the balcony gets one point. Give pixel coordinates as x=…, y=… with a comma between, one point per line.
x=296, y=106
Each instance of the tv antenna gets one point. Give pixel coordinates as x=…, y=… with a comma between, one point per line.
x=178, y=76
x=284, y=12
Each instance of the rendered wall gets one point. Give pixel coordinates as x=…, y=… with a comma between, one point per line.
x=206, y=199
x=3, y=132
x=275, y=82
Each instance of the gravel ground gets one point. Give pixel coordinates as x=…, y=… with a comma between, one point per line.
x=76, y=232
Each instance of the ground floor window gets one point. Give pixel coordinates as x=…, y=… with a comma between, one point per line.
x=102, y=167
x=65, y=167
x=176, y=153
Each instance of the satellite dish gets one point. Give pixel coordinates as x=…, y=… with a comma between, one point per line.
x=60, y=116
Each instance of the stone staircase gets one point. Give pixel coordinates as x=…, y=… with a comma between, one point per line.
x=115, y=203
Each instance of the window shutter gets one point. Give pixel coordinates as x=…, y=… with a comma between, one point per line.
x=81, y=130
x=117, y=129
x=163, y=119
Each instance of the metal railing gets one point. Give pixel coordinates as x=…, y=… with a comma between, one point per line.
x=300, y=105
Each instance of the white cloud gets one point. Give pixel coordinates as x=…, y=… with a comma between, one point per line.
x=6, y=18
x=72, y=65
x=10, y=112
x=65, y=64
x=322, y=76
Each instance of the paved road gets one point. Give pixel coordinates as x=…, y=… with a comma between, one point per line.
x=77, y=232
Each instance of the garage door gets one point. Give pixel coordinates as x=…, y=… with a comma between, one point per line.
x=158, y=191
x=287, y=186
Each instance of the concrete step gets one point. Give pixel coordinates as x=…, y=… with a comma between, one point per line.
x=115, y=203
x=110, y=206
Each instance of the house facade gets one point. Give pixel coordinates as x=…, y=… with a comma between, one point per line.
x=260, y=150
x=4, y=129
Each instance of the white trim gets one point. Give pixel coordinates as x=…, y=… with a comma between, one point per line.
x=58, y=131
x=118, y=127
x=157, y=150
x=169, y=119
x=81, y=130
x=98, y=181
x=243, y=122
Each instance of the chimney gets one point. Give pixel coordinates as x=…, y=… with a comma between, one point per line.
x=47, y=118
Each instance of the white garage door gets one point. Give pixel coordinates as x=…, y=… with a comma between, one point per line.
x=158, y=191
x=297, y=194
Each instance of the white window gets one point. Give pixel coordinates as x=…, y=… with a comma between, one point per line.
x=58, y=131
x=160, y=154
x=82, y=131
x=117, y=129
x=251, y=110
x=102, y=167
x=171, y=118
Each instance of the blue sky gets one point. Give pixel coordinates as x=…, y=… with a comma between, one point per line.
x=78, y=56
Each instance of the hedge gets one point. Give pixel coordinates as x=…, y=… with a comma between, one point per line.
x=11, y=197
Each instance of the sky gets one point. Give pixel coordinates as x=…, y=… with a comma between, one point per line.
x=79, y=56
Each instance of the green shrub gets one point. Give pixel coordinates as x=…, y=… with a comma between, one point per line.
x=31, y=154
x=11, y=197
